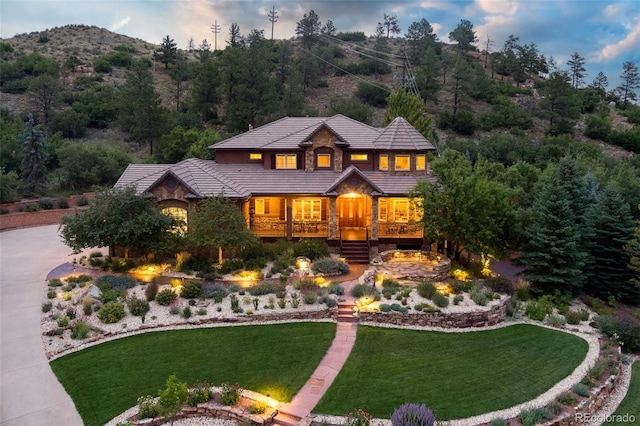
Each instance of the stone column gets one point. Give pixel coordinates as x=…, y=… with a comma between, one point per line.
x=333, y=219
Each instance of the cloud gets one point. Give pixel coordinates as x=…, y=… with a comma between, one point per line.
x=629, y=43
x=501, y=7
x=121, y=23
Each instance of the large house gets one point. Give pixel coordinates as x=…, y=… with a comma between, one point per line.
x=313, y=177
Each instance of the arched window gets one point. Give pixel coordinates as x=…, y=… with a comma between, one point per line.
x=180, y=215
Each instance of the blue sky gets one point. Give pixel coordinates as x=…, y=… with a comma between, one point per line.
x=605, y=33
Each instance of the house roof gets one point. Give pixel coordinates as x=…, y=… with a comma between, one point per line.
x=399, y=135
x=205, y=178
x=291, y=132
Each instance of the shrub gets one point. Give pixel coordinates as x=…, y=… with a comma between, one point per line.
x=264, y=287
x=230, y=394
x=257, y=407
x=111, y=312
x=457, y=299
x=62, y=203
x=87, y=306
x=399, y=308
x=479, y=295
x=137, y=307
x=46, y=306
x=533, y=416
x=440, y=300
x=151, y=291
x=55, y=282
x=45, y=203
x=200, y=392
x=215, y=291
x=109, y=295
x=310, y=297
x=556, y=320
x=537, y=310
x=498, y=422
x=174, y=310
x=165, y=297
x=523, y=290
x=80, y=330
x=147, y=408
x=360, y=290
x=385, y=307
x=186, y=312
x=413, y=414
x=231, y=265
x=192, y=289
x=336, y=289
x=554, y=408
x=313, y=248
x=581, y=389
x=575, y=317
x=82, y=201
x=566, y=398
x=358, y=417
x=426, y=289
x=374, y=95
x=115, y=282
x=625, y=330
x=330, y=266
x=499, y=284
x=70, y=123
x=63, y=321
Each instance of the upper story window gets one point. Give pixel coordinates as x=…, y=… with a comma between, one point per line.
x=384, y=162
x=324, y=160
x=421, y=162
x=359, y=157
x=255, y=156
x=402, y=162
x=286, y=161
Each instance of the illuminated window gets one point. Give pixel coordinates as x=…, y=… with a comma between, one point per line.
x=359, y=157
x=402, y=162
x=259, y=207
x=382, y=210
x=255, y=156
x=305, y=210
x=180, y=215
x=421, y=162
x=324, y=160
x=384, y=162
x=401, y=211
x=286, y=161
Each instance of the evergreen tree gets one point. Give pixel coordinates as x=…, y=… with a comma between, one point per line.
x=553, y=251
x=613, y=228
x=421, y=38
x=576, y=69
x=464, y=36
x=329, y=28
x=168, y=52
x=235, y=37
x=600, y=82
x=141, y=113
x=559, y=103
x=307, y=28
x=633, y=251
x=204, y=96
x=33, y=169
x=390, y=24
x=410, y=107
x=44, y=93
x=630, y=81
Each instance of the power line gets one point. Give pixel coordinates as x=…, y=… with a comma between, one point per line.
x=354, y=75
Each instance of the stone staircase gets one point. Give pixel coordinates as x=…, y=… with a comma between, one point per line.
x=345, y=312
x=289, y=419
x=355, y=251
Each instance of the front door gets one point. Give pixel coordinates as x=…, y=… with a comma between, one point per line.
x=351, y=211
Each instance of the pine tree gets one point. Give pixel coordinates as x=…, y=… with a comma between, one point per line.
x=168, y=52
x=633, y=250
x=630, y=81
x=33, y=169
x=553, y=252
x=613, y=228
x=576, y=69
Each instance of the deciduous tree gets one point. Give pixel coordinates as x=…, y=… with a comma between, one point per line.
x=119, y=218
x=217, y=223
x=172, y=398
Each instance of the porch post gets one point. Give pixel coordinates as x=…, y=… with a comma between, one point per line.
x=289, y=220
x=374, y=217
x=333, y=220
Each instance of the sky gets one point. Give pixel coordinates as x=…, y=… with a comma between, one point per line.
x=605, y=33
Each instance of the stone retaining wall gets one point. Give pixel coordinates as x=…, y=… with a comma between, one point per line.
x=17, y=219
x=495, y=315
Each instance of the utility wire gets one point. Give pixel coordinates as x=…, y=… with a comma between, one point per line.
x=354, y=75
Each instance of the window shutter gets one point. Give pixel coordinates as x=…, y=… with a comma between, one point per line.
x=283, y=208
x=324, y=208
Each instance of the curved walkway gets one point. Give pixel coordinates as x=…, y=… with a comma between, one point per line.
x=30, y=393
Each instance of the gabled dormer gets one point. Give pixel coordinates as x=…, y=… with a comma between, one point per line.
x=324, y=149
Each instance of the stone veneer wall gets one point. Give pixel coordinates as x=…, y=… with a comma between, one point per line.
x=495, y=315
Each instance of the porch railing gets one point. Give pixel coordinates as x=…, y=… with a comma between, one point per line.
x=274, y=227
x=399, y=230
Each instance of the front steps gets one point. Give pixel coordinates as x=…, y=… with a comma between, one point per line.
x=355, y=251
x=345, y=312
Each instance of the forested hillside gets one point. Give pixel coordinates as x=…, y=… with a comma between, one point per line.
x=100, y=100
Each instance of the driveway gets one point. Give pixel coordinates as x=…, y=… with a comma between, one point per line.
x=30, y=393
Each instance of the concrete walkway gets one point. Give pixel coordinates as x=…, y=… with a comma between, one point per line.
x=30, y=393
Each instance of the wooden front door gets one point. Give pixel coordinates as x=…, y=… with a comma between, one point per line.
x=351, y=211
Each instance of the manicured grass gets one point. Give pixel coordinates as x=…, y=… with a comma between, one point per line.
x=107, y=379
x=630, y=405
x=457, y=375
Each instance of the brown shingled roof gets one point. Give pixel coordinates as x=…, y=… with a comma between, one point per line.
x=399, y=135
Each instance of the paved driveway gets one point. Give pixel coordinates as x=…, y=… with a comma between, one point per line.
x=30, y=393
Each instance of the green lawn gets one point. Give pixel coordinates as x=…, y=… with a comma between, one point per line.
x=107, y=379
x=630, y=405
x=457, y=375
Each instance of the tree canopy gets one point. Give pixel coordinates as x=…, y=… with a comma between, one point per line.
x=119, y=218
